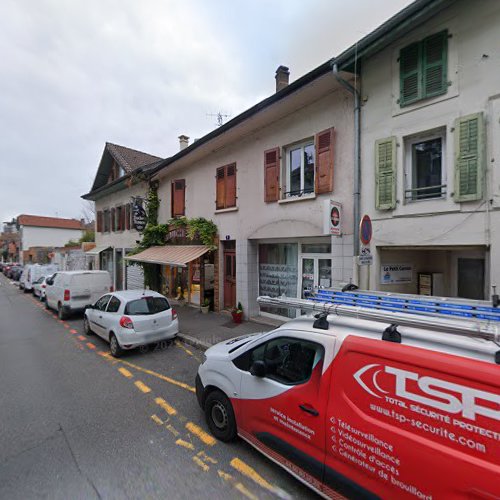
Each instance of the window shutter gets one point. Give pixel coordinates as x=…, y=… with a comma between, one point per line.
x=99, y=221
x=220, y=188
x=112, y=228
x=122, y=218
x=434, y=63
x=178, y=197
x=385, y=174
x=127, y=216
x=469, y=157
x=409, y=74
x=324, y=162
x=230, y=186
x=271, y=174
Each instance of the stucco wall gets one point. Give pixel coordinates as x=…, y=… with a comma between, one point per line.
x=47, y=236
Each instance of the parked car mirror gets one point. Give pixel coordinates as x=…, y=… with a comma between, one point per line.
x=49, y=282
x=258, y=369
x=90, y=306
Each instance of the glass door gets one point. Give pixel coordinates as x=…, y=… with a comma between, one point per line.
x=316, y=272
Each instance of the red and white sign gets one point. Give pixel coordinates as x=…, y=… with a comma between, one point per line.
x=333, y=218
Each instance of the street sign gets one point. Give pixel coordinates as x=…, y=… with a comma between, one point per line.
x=365, y=230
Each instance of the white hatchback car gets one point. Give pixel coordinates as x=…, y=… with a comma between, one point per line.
x=131, y=318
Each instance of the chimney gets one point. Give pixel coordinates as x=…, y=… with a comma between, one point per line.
x=282, y=76
x=183, y=142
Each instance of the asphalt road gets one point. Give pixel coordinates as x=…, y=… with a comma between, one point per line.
x=76, y=423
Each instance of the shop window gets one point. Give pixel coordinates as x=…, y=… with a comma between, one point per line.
x=226, y=187
x=425, y=166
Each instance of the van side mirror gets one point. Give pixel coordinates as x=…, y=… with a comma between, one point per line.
x=258, y=369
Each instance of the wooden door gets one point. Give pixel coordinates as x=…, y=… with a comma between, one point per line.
x=229, y=279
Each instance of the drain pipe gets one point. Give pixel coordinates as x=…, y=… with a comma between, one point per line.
x=357, y=166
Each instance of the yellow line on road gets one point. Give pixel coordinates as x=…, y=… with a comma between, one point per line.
x=125, y=372
x=90, y=345
x=203, y=466
x=184, y=444
x=173, y=430
x=200, y=433
x=251, y=473
x=157, y=419
x=66, y=325
x=163, y=404
x=142, y=387
x=81, y=337
x=73, y=331
x=245, y=492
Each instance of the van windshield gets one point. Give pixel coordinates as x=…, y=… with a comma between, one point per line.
x=147, y=305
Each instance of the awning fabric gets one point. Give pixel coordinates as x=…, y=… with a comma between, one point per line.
x=97, y=250
x=171, y=255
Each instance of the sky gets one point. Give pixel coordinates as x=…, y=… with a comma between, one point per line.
x=75, y=74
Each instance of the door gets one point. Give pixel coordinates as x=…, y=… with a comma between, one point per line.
x=316, y=272
x=229, y=279
x=283, y=412
x=471, y=278
x=95, y=316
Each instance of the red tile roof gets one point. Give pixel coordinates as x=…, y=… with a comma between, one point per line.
x=39, y=221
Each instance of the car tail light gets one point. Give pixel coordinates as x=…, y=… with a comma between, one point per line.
x=44, y=286
x=67, y=295
x=111, y=288
x=126, y=322
x=174, y=314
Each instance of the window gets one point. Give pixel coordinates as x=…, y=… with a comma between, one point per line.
x=300, y=169
x=101, y=304
x=178, y=198
x=288, y=360
x=423, y=69
x=425, y=166
x=113, y=305
x=147, y=305
x=226, y=187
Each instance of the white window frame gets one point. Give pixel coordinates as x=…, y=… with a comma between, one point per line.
x=287, y=150
x=409, y=142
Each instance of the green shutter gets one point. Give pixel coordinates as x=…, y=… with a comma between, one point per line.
x=434, y=64
x=385, y=173
x=469, y=157
x=409, y=73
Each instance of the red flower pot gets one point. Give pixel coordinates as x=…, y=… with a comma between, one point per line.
x=237, y=316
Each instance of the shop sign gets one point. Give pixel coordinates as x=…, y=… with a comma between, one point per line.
x=392, y=274
x=333, y=218
x=139, y=216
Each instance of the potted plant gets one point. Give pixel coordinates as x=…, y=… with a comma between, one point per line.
x=205, y=307
x=237, y=313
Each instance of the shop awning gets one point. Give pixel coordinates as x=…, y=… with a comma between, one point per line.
x=170, y=255
x=97, y=250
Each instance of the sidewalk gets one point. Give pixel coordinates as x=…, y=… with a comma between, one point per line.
x=205, y=330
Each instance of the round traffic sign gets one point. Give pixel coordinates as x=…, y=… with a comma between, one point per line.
x=365, y=230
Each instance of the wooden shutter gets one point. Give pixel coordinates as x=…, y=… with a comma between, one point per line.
x=271, y=174
x=324, y=162
x=230, y=185
x=434, y=64
x=127, y=216
x=220, y=188
x=409, y=74
x=99, y=221
x=112, y=227
x=178, y=197
x=385, y=174
x=469, y=157
x=122, y=218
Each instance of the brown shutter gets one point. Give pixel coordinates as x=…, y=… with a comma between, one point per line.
x=127, y=216
x=99, y=221
x=220, y=188
x=324, y=162
x=271, y=174
x=231, y=185
x=122, y=218
x=112, y=226
x=178, y=197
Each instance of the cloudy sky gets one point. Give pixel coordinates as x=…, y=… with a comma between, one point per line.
x=77, y=73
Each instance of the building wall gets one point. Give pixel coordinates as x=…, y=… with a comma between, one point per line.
x=474, y=76
x=47, y=236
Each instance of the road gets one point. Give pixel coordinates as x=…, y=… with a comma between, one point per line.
x=76, y=423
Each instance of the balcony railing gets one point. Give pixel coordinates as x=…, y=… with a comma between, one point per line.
x=425, y=193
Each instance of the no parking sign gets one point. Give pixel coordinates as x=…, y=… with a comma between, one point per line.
x=365, y=230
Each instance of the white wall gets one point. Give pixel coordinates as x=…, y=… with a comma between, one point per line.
x=47, y=236
x=474, y=75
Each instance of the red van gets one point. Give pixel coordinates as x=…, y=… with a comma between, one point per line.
x=361, y=408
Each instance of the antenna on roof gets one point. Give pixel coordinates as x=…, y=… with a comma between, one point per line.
x=220, y=117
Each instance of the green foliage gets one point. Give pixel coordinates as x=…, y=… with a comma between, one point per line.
x=153, y=235
x=153, y=204
x=238, y=308
x=203, y=229
x=87, y=236
x=72, y=243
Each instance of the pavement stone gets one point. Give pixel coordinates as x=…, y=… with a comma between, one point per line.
x=204, y=330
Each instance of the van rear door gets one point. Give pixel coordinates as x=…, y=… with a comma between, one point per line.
x=407, y=422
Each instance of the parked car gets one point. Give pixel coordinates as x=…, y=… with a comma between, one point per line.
x=40, y=286
x=69, y=292
x=131, y=318
x=33, y=272
x=15, y=272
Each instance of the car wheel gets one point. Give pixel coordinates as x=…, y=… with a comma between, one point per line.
x=46, y=303
x=114, y=346
x=220, y=416
x=86, y=326
x=60, y=312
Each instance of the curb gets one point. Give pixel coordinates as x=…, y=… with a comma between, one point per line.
x=193, y=341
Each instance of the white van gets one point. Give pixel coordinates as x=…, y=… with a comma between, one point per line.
x=72, y=291
x=33, y=272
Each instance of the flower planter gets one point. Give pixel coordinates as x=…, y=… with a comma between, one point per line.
x=237, y=316
x=205, y=309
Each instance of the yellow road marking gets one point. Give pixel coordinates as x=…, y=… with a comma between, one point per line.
x=173, y=430
x=178, y=344
x=206, y=458
x=125, y=372
x=184, y=444
x=90, y=345
x=157, y=419
x=142, y=387
x=251, y=473
x=73, y=331
x=66, y=325
x=200, y=433
x=245, y=492
x=224, y=475
x=203, y=466
x=81, y=337
x=163, y=404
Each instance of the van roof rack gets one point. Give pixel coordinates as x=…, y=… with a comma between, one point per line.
x=468, y=327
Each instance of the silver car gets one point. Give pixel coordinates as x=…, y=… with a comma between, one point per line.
x=131, y=318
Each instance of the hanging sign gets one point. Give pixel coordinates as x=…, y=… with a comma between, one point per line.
x=139, y=217
x=333, y=218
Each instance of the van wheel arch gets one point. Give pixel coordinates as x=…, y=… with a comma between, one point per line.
x=209, y=389
x=219, y=414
